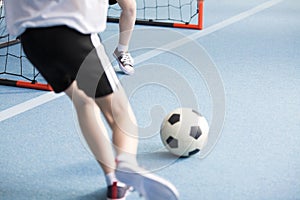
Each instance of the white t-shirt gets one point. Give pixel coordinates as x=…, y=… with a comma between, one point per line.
x=86, y=16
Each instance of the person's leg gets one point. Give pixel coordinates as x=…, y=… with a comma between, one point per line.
x=92, y=127
x=95, y=134
x=126, y=25
x=121, y=119
x=117, y=110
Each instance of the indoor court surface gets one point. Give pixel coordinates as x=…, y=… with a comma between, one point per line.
x=255, y=102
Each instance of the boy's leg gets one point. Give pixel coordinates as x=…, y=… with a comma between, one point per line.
x=119, y=115
x=126, y=22
x=92, y=127
x=94, y=131
x=126, y=25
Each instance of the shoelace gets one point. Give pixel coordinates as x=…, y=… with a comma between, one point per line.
x=126, y=59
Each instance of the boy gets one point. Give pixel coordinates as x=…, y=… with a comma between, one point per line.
x=60, y=38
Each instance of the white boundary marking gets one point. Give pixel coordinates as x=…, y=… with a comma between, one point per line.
x=27, y=105
x=32, y=103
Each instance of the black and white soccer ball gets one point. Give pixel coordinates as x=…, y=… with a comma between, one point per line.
x=184, y=132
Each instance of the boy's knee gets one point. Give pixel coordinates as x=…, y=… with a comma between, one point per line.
x=79, y=98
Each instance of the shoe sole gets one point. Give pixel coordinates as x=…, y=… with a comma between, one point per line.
x=121, y=66
x=150, y=186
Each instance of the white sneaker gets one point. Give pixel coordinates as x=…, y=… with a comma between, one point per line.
x=125, y=61
x=150, y=186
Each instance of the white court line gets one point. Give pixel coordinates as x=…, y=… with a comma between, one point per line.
x=27, y=105
x=206, y=31
x=20, y=108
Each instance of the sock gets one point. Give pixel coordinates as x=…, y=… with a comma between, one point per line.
x=122, y=48
x=110, y=178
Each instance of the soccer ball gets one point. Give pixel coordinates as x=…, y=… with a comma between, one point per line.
x=184, y=132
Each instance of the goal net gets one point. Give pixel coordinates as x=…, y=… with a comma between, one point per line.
x=170, y=13
x=15, y=68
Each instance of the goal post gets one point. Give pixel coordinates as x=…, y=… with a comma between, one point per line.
x=167, y=13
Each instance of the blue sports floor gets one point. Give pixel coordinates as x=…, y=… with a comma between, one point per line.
x=248, y=88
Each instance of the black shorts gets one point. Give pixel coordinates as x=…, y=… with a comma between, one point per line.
x=62, y=55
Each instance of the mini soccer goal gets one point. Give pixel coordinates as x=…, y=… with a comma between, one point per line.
x=16, y=70
x=169, y=13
